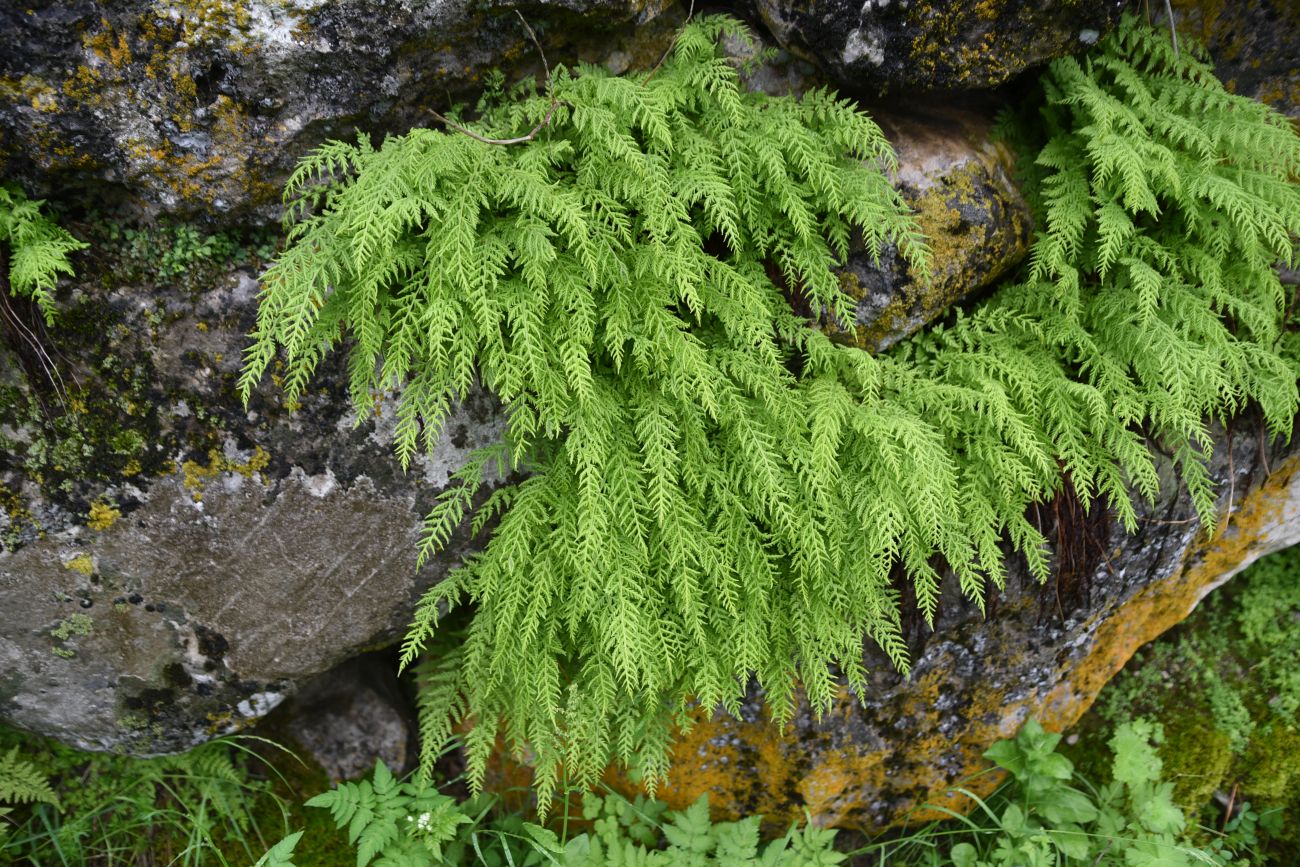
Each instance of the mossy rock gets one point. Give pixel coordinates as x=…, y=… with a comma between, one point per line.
x=934, y=44
x=202, y=107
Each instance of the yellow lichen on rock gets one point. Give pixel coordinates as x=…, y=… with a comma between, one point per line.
x=195, y=476
x=1163, y=604
x=102, y=516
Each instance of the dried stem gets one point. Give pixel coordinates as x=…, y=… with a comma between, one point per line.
x=542, y=124
x=690, y=13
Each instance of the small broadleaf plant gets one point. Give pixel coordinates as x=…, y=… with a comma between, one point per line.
x=717, y=493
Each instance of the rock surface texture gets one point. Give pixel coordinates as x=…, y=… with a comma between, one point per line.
x=204, y=561
x=175, y=566
x=1255, y=46
x=978, y=226
x=203, y=106
x=883, y=46
x=1043, y=651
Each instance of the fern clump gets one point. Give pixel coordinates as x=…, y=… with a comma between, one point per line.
x=690, y=518
x=1152, y=305
x=717, y=492
x=37, y=249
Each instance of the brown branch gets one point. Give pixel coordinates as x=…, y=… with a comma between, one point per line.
x=690, y=13
x=555, y=103
x=545, y=121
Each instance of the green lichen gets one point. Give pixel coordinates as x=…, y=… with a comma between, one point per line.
x=195, y=475
x=941, y=50
x=102, y=516
x=73, y=626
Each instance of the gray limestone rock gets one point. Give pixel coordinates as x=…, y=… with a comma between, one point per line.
x=172, y=565
x=203, y=106
x=353, y=716
x=960, y=184
x=910, y=45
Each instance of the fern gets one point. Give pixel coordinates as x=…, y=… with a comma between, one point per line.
x=692, y=838
x=21, y=782
x=37, y=249
x=395, y=822
x=717, y=492
x=281, y=854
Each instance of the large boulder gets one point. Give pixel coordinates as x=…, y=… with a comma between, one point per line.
x=204, y=107
x=1042, y=651
x=173, y=565
x=1254, y=45
x=908, y=45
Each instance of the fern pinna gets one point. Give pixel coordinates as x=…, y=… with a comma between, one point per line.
x=35, y=249
x=716, y=491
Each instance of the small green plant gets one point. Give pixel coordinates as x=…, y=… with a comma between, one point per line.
x=21, y=782
x=1222, y=685
x=79, y=808
x=33, y=249
x=179, y=254
x=1047, y=816
x=394, y=823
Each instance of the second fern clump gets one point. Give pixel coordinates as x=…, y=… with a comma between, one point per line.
x=718, y=492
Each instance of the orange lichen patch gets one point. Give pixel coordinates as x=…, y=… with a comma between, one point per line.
x=743, y=766
x=1161, y=605
x=835, y=772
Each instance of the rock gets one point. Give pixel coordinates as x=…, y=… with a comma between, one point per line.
x=883, y=46
x=174, y=566
x=960, y=183
x=968, y=206
x=352, y=716
x=1042, y=651
x=204, y=106
x=1254, y=46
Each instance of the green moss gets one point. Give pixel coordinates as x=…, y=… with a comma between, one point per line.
x=1197, y=760
x=1270, y=771
x=1223, y=686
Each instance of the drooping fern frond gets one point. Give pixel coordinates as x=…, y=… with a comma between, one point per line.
x=1169, y=204
x=37, y=249
x=21, y=782
x=717, y=492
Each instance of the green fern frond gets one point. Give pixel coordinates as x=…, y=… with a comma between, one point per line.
x=21, y=782
x=37, y=249
x=719, y=495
